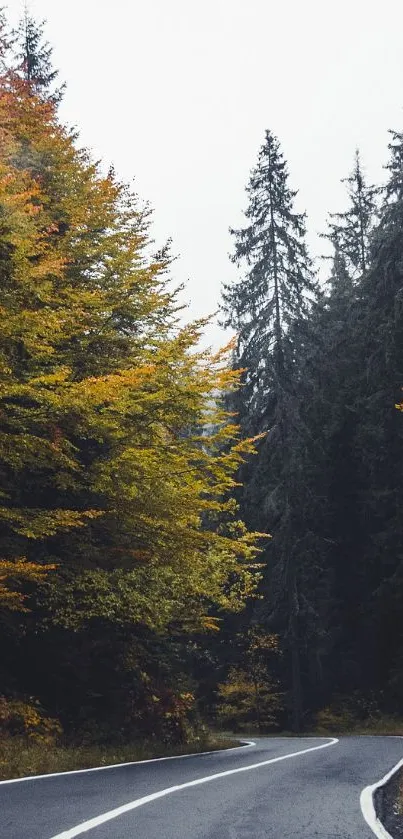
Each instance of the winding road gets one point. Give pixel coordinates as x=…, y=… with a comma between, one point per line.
x=275, y=788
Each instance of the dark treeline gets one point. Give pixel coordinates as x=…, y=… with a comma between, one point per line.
x=323, y=371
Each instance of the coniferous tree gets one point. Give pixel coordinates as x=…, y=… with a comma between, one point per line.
x=275, y=291
x=352, y=229
x=276, y=285
x=34, y=57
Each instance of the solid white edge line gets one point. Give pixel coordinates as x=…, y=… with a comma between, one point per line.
x=368, y=805
x=133, y=805
x=245, y=744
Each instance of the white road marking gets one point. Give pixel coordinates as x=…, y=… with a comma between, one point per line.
x=368, y=806
x=246, y=744
x=147, y=799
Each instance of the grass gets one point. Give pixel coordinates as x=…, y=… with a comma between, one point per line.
x=339, y=725
x=383, y=725
x=20, y=758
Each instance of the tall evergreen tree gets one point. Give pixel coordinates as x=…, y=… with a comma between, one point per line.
x=277, y=283
x=352, y=229
x=34, y=57
x=262, y=308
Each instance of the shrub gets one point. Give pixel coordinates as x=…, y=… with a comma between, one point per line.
x=19, y=718
x=249, y=700
x=335, y=719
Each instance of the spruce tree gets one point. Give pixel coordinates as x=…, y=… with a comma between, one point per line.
x=352, y=229
x=34, y=59
x=277, y=284
x=275, y=291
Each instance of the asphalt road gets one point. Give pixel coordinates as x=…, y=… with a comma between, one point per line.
x=316, y=794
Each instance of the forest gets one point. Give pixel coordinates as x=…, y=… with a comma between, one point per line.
x=191, y=540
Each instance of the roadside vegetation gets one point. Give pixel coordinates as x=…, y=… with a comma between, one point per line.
x=21, y=757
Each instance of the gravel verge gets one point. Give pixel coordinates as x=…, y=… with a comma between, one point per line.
x=389, y=805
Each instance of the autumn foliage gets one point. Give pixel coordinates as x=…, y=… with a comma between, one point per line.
x=117, y=457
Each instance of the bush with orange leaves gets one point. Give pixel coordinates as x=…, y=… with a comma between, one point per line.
x=27, y=719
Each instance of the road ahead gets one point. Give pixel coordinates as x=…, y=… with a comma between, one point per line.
x=312, y=794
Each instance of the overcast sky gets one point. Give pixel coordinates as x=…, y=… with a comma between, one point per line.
x=178, y=94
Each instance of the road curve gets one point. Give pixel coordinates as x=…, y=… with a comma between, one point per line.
x=260, y=793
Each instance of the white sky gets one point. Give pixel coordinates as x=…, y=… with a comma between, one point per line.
x=178, y=94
